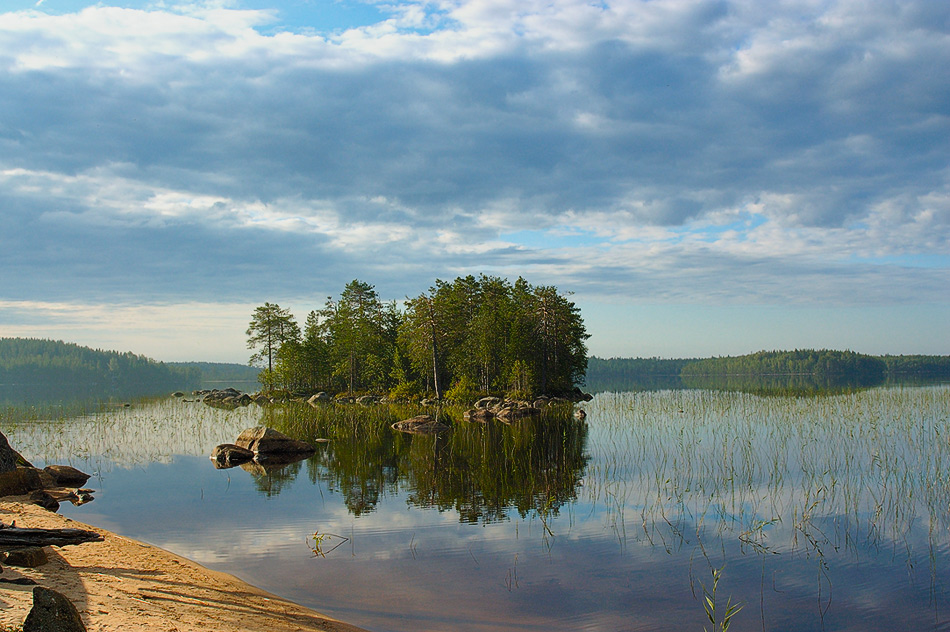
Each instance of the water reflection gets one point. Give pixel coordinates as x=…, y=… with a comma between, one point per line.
x=820, y=512
x=765, y=385
x=482, y=471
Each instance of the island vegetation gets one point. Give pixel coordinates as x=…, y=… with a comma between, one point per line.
x=457, y=340
x=28, y=362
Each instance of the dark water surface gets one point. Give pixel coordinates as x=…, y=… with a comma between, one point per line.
x=820, y=513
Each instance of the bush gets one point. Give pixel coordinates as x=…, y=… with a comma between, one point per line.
x=405, y=391
x=463, y=392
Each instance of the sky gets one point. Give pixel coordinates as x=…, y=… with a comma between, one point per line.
x=705, y=177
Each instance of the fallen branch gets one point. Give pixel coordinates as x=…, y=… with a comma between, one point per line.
x=11, y=537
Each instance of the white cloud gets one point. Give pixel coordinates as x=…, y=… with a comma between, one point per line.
x=680, y=148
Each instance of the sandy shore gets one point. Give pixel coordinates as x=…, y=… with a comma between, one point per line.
x=121, y=584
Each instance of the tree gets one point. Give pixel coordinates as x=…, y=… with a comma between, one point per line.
x=360, y=333
x=269, y=329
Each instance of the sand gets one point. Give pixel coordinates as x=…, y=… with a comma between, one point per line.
x=120, y=584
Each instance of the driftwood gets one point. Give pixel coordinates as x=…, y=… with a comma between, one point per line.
x=13, y=537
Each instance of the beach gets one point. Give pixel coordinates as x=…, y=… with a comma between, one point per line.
x=120, y=584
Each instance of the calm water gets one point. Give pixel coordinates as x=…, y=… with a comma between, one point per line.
x=825, y=512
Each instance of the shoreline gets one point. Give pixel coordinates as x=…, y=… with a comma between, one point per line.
x=121, y=584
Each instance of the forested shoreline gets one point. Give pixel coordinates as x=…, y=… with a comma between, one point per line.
x=39, y=362
x=458, y=340
x=823, y=365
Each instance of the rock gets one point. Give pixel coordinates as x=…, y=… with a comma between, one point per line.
x=420, y=424
x=263, y=440
x=429, y=402
x=52, y=612
x=317, y=398
x=227, y=398
x=480, y=415
x=228, y=455
x=45, y=500
x=178, y=394
x=24, y=480
x=513, y=413
x=30, y=557
x=488, y=402
x=367, y=400
x=67, y=476
x=10, y=459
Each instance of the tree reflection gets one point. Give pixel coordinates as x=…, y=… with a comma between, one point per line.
x=482, y=471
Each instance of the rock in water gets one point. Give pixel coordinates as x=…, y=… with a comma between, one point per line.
x=420, y=424
x=67, y=476
x=228, y=455
x=52, y=612
x=263, y=440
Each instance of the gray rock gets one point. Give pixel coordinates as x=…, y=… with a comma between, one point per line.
x=487, y=402
x=52, y=612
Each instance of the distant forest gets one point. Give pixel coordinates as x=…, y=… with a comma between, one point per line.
x=32, y=362
x=619, y=374
x=222, y=371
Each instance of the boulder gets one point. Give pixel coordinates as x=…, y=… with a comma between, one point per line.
x=513, y=413
x=9, y=458
x=420, y=424
x=367, y=400
x=488, y=402
x=29, y=557
x=228, y=455
x=263, y=440
x=480, y=415
x=67, y=476
x=318, y=397
x=52, y=612
x=24, y=480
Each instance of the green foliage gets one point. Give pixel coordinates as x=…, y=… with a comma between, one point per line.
x=798, y=362
x=405, y=391
x=479, y=334
x=464, y=392
x=26, y=361
x=710, y=606
x=937, y=366
x=270, y=328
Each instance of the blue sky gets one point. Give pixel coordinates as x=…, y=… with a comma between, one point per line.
x=707, y=178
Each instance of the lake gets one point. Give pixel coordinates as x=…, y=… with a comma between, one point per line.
x=823, y=512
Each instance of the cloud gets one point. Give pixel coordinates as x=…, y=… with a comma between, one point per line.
x=693, y=150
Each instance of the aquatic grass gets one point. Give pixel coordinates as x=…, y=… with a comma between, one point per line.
x=148, y=430
x=844, y=470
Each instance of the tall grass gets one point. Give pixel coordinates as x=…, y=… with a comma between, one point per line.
x=776, y=473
